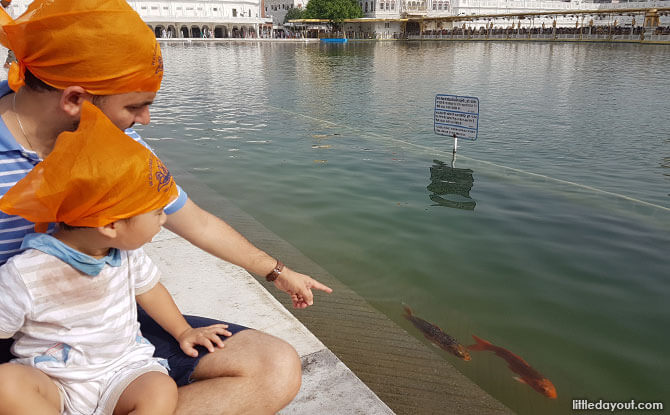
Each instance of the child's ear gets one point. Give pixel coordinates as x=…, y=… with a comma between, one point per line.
x=109, y=230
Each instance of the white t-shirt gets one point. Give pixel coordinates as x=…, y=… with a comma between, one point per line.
x=74, y=325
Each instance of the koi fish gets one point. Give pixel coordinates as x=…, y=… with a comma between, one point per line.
x=437, y=336
x=516, y=364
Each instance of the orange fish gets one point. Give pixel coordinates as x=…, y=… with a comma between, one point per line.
x=528, y=375
x=437, y=336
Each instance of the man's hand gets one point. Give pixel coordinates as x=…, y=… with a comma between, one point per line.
x=204, y=336
x=299, y=287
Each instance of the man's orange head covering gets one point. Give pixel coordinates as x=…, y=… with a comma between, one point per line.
x=94, y=176
x=100, y=45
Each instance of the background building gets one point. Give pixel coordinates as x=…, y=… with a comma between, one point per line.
x=382, y=18
x=277, y=9
x=195, y=18
x=204, y=18
x=385, y=19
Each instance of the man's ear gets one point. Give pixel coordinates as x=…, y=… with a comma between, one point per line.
x=72, y=99
x=110, y=230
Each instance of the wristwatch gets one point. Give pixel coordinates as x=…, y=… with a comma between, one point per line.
x=276, y=271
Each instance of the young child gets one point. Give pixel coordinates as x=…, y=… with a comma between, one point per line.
x=69, y=299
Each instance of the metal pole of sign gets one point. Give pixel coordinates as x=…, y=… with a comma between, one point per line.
x=453, y=155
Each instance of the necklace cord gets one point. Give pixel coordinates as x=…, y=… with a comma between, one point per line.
x=23, y=131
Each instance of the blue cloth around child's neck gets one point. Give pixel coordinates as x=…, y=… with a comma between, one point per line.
x=82, y=262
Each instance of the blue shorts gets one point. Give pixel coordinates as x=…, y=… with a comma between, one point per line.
x=181, y=365
x=5, y=354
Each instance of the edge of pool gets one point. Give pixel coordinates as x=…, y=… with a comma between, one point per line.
x=204, y=285
x=355, y=359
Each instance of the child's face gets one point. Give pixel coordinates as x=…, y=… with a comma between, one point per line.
x=138, y=230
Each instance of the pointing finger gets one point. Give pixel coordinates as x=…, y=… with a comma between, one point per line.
x=317, y=285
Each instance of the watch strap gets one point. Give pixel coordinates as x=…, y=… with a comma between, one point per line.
x=276, y=271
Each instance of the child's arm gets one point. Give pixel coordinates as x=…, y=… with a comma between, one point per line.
x=158, y=303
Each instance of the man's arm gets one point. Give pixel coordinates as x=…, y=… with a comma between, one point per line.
x=215, y=236
x=160, y=306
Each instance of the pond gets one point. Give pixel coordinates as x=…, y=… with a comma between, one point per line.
x=548, y=236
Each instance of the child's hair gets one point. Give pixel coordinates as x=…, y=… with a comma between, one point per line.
x=64, y=226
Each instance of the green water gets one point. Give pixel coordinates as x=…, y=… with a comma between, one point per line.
x=549, y=238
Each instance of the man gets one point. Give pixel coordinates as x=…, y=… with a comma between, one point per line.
x=86, y=57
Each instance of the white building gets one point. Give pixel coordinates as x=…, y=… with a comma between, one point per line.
x=388, y=18
x=194, y=18
x=277, y=9
x=434, y=8
x=382, y=18
x=204, y=18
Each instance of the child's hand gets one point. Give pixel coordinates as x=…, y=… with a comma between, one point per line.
x=204, y=336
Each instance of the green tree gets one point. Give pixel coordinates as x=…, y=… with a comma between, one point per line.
x=294, y=14
x=333, y=10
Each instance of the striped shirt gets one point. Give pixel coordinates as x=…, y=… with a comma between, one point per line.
x=15, y=163
x=71, y=325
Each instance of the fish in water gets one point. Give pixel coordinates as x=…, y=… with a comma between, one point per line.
x=516, y=364
x=437, y=336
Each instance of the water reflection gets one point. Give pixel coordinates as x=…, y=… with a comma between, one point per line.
x=451, y=186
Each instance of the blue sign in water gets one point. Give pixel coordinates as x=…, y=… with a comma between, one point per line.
x=456, y=116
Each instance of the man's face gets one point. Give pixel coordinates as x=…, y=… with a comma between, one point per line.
x=124, y=110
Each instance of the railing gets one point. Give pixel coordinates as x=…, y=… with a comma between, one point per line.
x=355, y=35
x=553, y=5
x=477, y=7
x=546, y=37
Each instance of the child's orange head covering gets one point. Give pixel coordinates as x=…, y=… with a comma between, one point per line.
x=94, y=176
x=100, y=45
